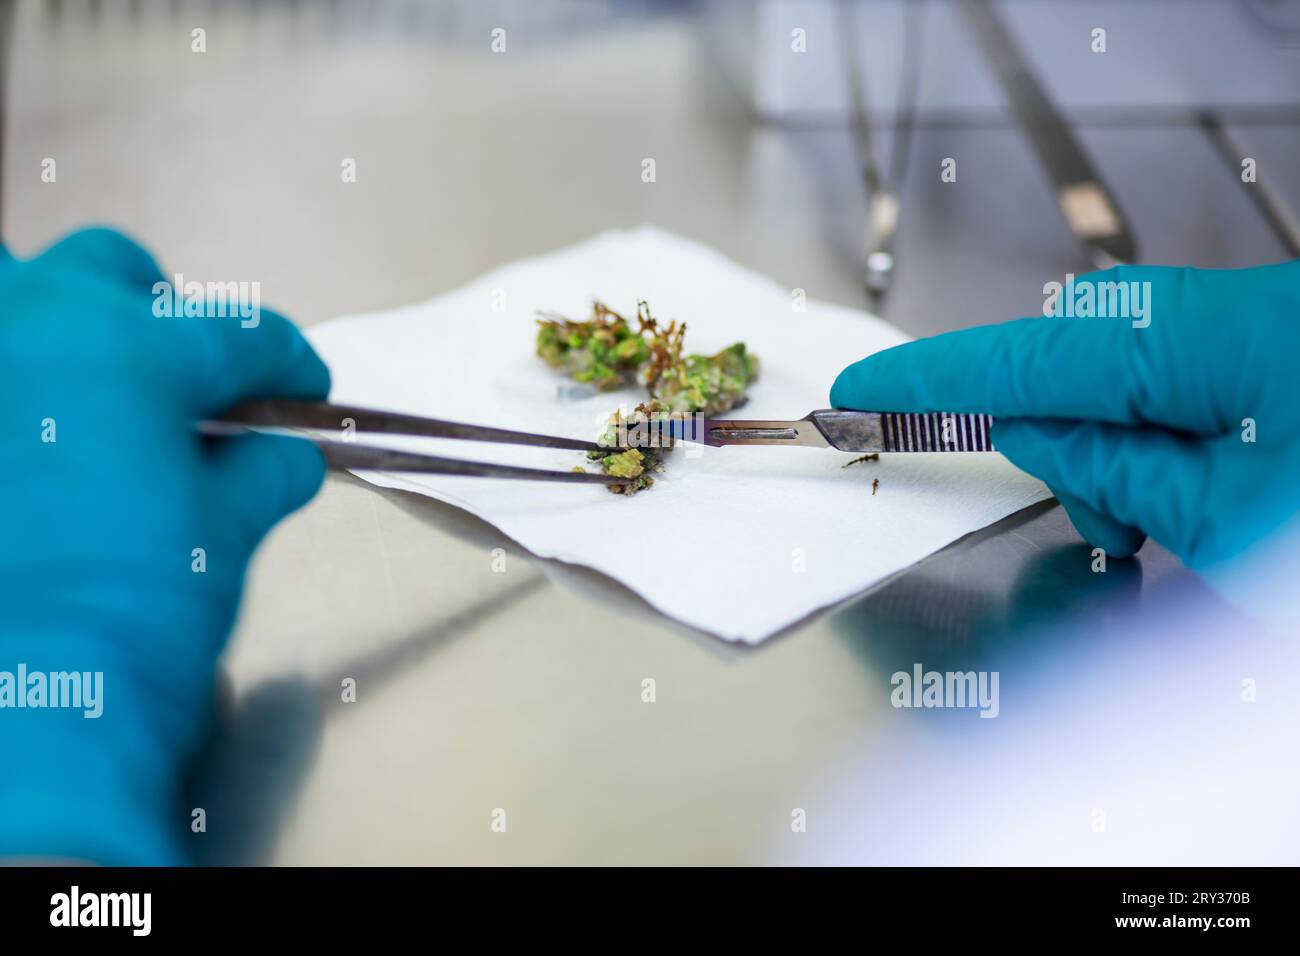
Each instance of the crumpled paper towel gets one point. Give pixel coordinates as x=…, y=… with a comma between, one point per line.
x=738, y=542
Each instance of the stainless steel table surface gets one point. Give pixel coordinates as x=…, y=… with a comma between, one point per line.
x=1122, y=736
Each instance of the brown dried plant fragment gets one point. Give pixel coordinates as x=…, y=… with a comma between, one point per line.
x=873, y=456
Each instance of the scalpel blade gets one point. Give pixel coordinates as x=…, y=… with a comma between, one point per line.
x=848, y=431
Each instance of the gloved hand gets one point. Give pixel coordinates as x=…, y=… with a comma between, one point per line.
x=1137, y=430
x=108, y=491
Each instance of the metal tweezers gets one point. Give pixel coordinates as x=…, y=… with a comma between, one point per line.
x=844, y=429
x=290, y=414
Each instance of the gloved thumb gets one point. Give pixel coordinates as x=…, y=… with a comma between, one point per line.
x=1099, y=530
x=259, y=479
x=1117, y=482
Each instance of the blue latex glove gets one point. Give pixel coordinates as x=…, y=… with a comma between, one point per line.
x=100, y=528
x=1137, y=430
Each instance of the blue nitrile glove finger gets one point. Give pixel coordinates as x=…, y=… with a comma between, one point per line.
x=106, y=254
x=259, y=479
x=233, y=361
x=1180, y=371
x=1204, y=372
x=127, y=534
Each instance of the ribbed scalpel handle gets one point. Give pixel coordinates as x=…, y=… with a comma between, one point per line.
x=903, y=431
x=935, y=431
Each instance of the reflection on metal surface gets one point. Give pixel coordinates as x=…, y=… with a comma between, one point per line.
x=264, y=744
x=958, y=625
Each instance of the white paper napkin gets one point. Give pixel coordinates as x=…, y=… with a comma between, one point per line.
x=739, y=542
